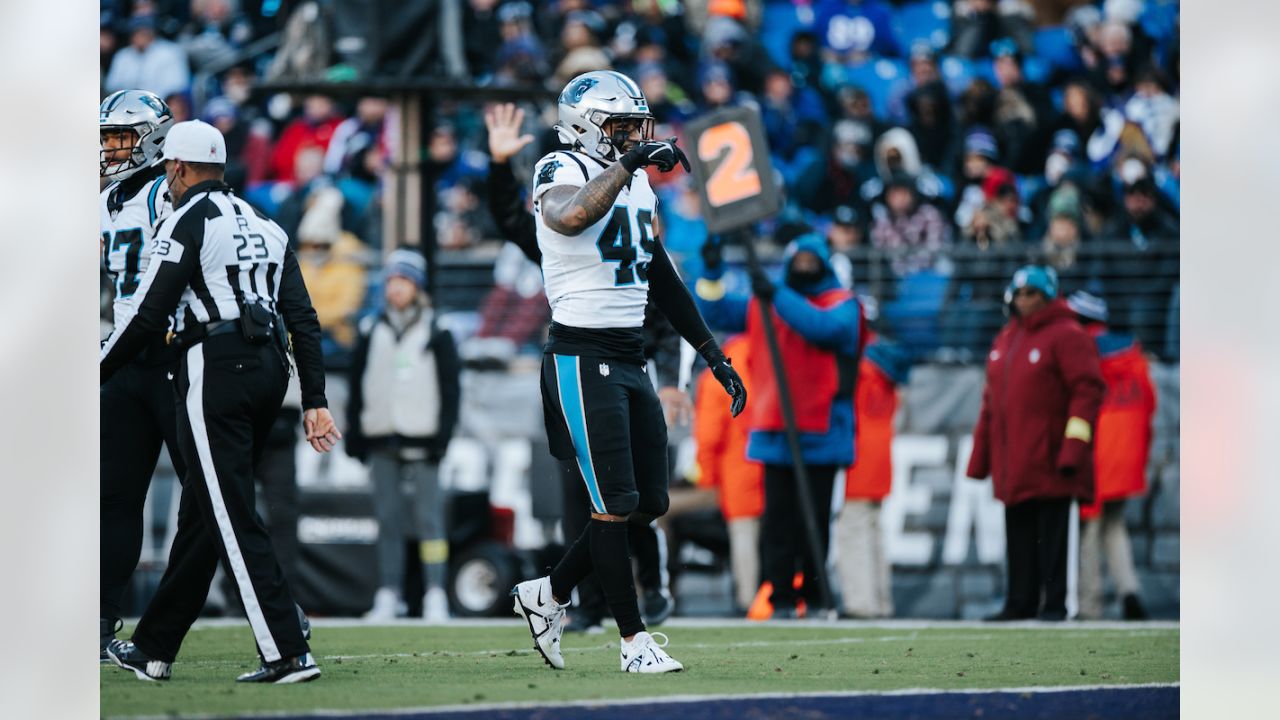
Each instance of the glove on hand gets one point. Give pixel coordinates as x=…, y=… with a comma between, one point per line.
x=662, y=153
x=723, y=371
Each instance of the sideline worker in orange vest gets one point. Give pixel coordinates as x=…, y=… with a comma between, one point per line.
x=865, y=582
x=723, y=466
x=1120, y=461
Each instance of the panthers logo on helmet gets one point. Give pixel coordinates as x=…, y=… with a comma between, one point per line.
x=573, y=94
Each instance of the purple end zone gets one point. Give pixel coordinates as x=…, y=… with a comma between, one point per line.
x=1124, y=703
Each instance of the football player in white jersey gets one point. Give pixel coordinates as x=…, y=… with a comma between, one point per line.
x=596, y=221
x=137, y=406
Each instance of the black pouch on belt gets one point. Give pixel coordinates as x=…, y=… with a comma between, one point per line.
x=257, y=324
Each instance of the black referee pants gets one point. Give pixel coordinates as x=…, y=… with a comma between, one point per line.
x=136, y=415
x=229, y=393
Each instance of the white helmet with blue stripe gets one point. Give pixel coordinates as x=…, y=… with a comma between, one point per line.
x=593, y=99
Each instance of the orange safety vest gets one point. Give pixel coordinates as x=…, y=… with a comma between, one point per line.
x=871, y=476
x=1122, y=442
x=722, y=443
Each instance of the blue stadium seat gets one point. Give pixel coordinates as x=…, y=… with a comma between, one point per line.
x=914, y=314
x=1055, y=46
x=1035, y=69
x=1159, y=18
x=777, y=24
x=929, y=20
x=958, y=72
x=878, y=78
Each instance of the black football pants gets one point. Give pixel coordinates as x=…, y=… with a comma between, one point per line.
x=136, y=415
x=229, y=393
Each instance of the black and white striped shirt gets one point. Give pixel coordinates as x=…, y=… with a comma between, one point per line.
x=212, y=253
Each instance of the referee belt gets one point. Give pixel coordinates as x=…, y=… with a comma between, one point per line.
x=198, y=332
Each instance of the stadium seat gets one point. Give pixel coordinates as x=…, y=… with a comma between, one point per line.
x=1035, y=69
x=1159, y=19
x=929, y=21
x=878, y=78
x=778, y=23
x=1055, y=46
x=914, y=314
x=958, y=72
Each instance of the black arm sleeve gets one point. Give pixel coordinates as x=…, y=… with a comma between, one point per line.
x=506, y=204
x=662, y=343
x=448, y=372
x=304, y=332
x=676, y=302
x=158, y=293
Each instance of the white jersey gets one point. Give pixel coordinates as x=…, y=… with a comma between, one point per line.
x=600, y=277
x=130, y=211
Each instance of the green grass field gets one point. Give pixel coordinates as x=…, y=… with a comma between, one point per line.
x=420, y=666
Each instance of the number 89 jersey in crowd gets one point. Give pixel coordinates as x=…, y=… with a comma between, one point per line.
x=131, y=211
x=598, y=278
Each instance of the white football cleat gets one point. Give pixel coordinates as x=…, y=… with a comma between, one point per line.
x=644, y=654
x=435, y=606
x=387, y=606
x=534, y=603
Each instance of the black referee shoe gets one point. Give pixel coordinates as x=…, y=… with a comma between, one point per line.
x=301, y=668
x=128, y=656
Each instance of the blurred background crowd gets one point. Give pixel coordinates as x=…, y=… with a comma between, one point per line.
x=938, y=145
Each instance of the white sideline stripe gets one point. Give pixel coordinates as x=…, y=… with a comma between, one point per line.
x=612, y=647
x=738, y=623
x=248, y=596
x=519, y=705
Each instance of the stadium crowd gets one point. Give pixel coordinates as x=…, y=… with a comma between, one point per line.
x=937, y=145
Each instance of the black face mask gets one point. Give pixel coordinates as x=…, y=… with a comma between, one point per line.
x=798, y=280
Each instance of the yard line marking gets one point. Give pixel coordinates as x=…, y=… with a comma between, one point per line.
x=649, y=700
x=737, y=623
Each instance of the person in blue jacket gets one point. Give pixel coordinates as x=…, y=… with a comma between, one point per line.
x=821, y=332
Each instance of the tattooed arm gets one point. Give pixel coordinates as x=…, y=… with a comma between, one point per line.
x=569, y=210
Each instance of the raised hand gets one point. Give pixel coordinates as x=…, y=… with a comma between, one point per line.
x=664, y=154
x=504, y=123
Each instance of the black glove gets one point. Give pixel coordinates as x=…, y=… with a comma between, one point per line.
x=663, y=153
x=723, y=371
x=762, y=286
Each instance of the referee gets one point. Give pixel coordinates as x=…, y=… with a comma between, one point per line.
x=226, y=274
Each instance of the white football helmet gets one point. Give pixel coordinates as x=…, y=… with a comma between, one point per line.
x=594, y=98
x=147, y=116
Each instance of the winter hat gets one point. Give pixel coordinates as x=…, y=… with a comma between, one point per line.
x=728, y=8
x=1065, y=202
x=1038, y=277
x=408, y=264
x=1088, y=306
x=981, y=142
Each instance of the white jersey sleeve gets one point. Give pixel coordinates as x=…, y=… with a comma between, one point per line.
x=599, y=277
x=557, y=169
x=129, y=217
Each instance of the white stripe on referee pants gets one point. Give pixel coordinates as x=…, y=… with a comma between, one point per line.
x=195, y=413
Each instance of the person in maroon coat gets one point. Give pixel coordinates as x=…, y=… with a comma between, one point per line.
x=1034, y=438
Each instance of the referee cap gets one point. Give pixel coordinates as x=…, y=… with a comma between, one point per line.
x=195, y=141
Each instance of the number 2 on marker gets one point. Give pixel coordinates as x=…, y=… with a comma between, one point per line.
x=735, y=178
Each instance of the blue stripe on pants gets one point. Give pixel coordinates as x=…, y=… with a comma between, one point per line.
x=569, y=388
